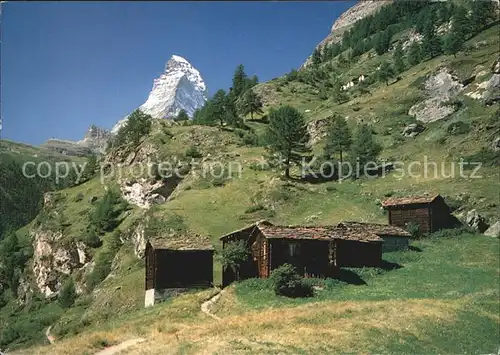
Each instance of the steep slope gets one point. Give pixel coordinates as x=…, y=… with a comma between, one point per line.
x=180, y=87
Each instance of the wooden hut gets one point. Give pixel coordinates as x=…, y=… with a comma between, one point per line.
x=314, y=251
x=395, y=238
x=430, y=212
x=177, y=262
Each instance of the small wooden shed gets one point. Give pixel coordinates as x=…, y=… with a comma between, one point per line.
x=177, y=262
x=430, y=212
x=395, y=238
x=314, y=251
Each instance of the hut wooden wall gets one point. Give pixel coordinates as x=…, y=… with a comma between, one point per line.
x=351, y=253
x=440, y=215
x=311, y=258
x=183, y=268
x=419, y=213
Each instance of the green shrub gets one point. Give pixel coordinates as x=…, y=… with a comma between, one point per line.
x=192, y=152
x=287, y=282
x=104, y=218
x=250, y=139
x=104, y=261
x=91, y=238
x=67, y=294
x=234, y=254
x=414, y=230
x=457, y=128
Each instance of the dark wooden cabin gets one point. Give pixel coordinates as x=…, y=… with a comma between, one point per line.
x=181, y=262
x=430, y=212
x=395, y=238
x=314, y=251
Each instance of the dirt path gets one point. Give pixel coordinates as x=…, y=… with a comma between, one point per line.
x=50, y=338
x=205, y=306
x=122, y=346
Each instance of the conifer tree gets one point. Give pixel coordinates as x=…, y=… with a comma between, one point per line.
x=385, y=72
x=287, y=136
x=431, y=43
x=250, y=104
x=414, y=54
x=382, y=42
x=364, y=147
x=182, y=116
x=218, y=106
x=482, y=12
x=316, y=56
x=137, y=126
x=67, y=294
x=338, y=138
x=460, y=29
x=397, y=57
x=240, y=82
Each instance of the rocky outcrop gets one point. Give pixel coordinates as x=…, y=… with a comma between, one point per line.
x=94, y=142
x=361, y=10
x=476, y=221
x=317, y=129
x=141, y=192
x=66, y=147
x=494, y=230
x=145, y=193
x=487, y=90
x=440, y=88
x=52, y=260
x=96, y=139
x=413, y=130
x=495, y=145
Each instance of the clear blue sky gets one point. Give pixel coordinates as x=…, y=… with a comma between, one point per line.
x=68, y=65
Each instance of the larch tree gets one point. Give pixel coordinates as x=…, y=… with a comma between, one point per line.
x=250, y=104
x=414, y=55
x=364, y=147
x=338, y=138
x=397, y=57
x=385, y=72
x=287, y=137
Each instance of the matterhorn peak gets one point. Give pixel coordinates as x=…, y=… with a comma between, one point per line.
x=179, y=87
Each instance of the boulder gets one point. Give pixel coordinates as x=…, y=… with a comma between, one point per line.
x=476, y=221
x=440, y=88
x=494, y=230
x=495, y=145
x=495, y=68
x=413, y=129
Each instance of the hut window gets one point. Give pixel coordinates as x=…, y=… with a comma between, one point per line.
x=293, y=249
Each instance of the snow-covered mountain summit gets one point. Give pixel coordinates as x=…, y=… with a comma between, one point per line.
x=180, y=87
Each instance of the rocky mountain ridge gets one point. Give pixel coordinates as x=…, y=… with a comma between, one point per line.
x=94, y=142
